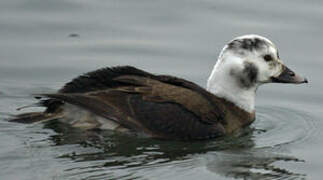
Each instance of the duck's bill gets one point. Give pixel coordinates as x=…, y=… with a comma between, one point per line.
x=288, y=76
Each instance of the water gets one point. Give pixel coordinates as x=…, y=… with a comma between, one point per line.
x=44, y=44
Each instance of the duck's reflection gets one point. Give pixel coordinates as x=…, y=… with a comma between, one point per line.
x=251, y=164
x=234, y=156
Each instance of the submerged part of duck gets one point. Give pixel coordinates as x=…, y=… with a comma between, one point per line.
x=127, y=99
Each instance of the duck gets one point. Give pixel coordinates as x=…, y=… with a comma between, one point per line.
x=126, y=99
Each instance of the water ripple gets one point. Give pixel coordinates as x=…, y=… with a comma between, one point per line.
x=277, y=126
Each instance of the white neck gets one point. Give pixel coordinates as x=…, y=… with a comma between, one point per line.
x=222, y=84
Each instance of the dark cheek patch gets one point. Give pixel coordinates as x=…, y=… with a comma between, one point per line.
x=248, y=78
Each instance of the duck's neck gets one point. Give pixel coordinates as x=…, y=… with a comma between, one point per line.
x=224, y=85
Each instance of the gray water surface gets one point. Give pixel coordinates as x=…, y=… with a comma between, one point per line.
x=44, y=44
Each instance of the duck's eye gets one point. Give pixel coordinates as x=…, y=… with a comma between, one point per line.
x=268, y=57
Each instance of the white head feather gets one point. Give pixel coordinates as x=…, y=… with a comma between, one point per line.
x=244, y=63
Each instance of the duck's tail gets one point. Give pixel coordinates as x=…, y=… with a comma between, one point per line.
x=52, y=112
x=33, y=117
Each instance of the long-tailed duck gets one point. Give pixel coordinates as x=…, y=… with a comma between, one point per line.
x=128, y=99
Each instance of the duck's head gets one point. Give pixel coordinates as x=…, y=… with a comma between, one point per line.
x=245, y=63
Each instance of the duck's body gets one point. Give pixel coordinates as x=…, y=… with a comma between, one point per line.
x=127, y=99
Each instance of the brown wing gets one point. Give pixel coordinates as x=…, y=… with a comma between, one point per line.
x=100, y=79
x=160, y=109
x=192, y=100
x=109, y=104
x=106, y=78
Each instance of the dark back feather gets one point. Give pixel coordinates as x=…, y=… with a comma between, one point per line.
x=104, y=79
x=101, y=79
